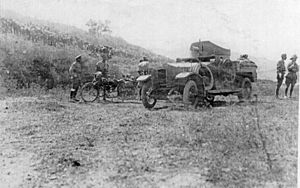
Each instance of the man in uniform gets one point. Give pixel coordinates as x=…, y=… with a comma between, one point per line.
x=75, y=75
x=291, y=77
x=280, y=73
x=143, y=69
x=103, y=65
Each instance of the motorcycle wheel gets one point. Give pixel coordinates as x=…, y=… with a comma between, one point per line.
x=89, y=92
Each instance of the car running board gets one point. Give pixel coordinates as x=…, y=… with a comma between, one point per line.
x=223, y=91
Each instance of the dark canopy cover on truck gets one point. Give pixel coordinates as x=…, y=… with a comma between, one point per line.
x=207, y=48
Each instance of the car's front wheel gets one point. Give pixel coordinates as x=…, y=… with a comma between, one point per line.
x=147, y=100
x=190, y=93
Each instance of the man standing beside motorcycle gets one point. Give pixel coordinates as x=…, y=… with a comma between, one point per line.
x=75, y=75
x=103, y=66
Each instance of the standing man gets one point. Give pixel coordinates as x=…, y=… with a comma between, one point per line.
x=75, y=75
x=143, y=69
x=280, y=73
x=106, y=54
x=102, y=66
x=291, y=77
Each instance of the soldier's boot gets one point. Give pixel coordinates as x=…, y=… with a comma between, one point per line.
x=285, y=93
x=71, y=95
x=104, y=95
x=74, y=97
x=277, y=93
x=291, y=91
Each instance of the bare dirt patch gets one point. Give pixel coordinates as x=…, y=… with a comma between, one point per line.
x=55, y=143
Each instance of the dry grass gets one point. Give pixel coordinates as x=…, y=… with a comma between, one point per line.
x=125, y=145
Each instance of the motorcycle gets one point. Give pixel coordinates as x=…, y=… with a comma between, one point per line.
x=108, y=89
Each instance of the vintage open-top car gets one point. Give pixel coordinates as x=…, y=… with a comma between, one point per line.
x=209, y=72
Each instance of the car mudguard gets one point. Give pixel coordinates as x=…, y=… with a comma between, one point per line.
x=183, y=75
x=143, y=78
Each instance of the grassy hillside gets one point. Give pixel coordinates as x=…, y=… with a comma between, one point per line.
x=118, y=43
x=24, y=40
x=39, y=52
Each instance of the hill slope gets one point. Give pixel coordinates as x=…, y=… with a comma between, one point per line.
x=63, y=30
x=20, y=33
x=35, y=51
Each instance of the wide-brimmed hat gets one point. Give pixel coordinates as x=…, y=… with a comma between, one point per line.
x=294, y=57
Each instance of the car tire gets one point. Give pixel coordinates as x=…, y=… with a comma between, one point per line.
x=145, y=98
x=246, y=91
x=190, y=93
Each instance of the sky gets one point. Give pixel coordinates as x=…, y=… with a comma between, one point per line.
x=264, y=28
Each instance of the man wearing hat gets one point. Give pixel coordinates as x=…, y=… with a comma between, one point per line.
x=75, y=75
x=106, y=54
x=280, y=73
x=291, y=77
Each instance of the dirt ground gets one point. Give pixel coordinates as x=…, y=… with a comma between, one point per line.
x=48, y=142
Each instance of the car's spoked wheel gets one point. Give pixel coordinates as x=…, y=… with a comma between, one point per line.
x=89, y=92
x=190, y=93
x=147, y=100
x=246, y=90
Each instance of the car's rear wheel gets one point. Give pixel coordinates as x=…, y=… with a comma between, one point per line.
x=190, y=93
x=147, y=100
x=246, y=91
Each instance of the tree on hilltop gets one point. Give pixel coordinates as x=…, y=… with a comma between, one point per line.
x=99, y=27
